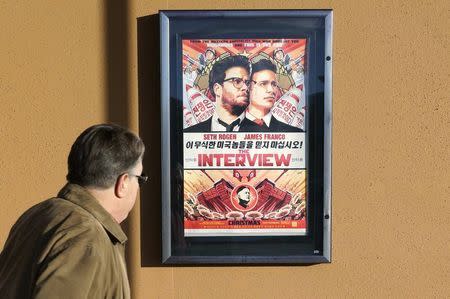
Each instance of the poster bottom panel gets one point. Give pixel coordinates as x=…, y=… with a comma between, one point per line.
x=234, y=202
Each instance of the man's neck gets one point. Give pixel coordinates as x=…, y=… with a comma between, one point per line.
x=256, y=112
x=225, y=115
x=104, y=198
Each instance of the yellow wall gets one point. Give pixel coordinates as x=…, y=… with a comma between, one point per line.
x=65, y=65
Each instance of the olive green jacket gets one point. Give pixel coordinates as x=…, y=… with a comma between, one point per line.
x=65, y=247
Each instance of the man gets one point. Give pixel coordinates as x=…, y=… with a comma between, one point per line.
x=228, y=83
x=282, y=61
x=244, y=196
x=72, y=246
x=263, y=95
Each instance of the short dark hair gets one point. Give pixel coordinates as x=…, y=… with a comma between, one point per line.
x=240, y=189
x=217, y=74
x=101, y=154
x=262, y=65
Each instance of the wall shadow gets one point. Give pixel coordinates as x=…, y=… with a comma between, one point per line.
x=117, y=64
x=150, y=130
x=117, y=95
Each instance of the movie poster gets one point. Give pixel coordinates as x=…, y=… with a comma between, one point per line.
x=244, y=137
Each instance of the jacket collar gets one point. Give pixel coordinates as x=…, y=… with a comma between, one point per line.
x=81, y=197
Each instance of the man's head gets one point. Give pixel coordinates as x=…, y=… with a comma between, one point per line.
x=210, y=54
x=108, y=157
x=228, y=83
x=244, y=196
x=278, y=54
x=264, y=86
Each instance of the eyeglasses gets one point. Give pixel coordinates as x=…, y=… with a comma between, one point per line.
x=238, y=82
x=265, y=84
x=141, y=178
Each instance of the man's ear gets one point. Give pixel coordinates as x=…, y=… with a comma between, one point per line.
x=217, y=89
x=121, y=187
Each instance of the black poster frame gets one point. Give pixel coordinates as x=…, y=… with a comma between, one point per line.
x=315, y=247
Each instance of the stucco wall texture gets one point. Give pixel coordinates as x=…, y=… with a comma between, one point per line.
x=60, y=73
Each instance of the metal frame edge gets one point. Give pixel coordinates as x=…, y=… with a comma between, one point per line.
x=165, y=135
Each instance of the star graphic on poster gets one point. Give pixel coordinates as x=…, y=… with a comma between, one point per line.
x=245, y=53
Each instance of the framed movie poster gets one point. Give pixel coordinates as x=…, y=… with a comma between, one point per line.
x=246, y=136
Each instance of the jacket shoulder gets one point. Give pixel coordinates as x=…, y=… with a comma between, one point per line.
x=276, y=125
x=57, y=216
x=204, y=126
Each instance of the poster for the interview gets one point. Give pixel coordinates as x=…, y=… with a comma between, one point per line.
x=244, y=137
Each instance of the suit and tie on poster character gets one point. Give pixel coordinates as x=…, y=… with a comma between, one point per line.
x=244, y=126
